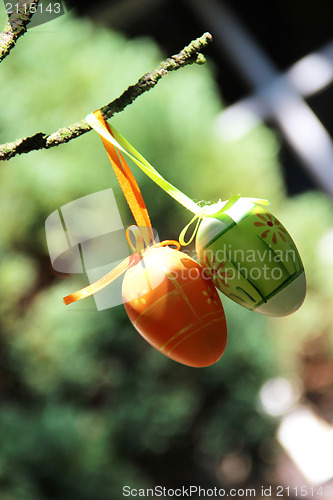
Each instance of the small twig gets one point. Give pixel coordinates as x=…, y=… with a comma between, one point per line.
x=188, y=55
x=16, y=26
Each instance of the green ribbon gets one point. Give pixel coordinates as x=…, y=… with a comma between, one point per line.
x=199, y=212
x=205, y=211
x=120, y=143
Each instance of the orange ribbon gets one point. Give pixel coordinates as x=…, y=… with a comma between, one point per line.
x=128, y=184
x=143, y=234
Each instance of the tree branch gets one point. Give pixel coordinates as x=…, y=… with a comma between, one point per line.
x=16, y=25
x=190, y=54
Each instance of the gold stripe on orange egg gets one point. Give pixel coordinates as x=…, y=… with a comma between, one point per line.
x=187, y=328
x=181, y=291
x=195, y=331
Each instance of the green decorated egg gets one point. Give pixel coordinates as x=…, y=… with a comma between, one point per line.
x=251, y=257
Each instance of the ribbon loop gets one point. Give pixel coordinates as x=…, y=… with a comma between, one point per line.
x=138, y=248
x=169, y=243
x=139, y=244
x=198, y=217
x=211, y=210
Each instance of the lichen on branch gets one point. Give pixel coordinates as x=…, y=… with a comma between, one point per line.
x=189, y=55
x=16, y=26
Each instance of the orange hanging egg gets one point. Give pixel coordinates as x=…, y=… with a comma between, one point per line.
x=175, y=307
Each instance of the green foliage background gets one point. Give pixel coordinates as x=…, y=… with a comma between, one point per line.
x=86, y=405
